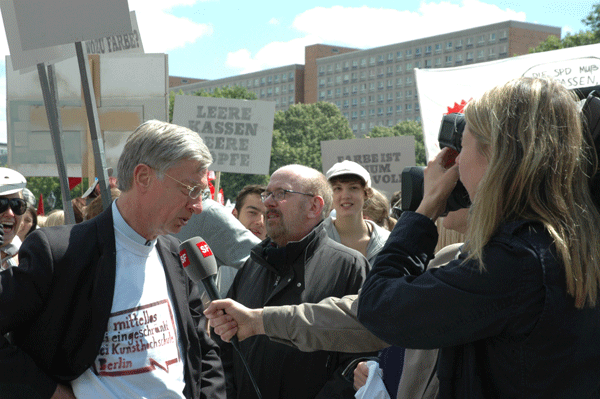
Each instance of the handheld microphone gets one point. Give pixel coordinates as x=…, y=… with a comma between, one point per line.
x=200, y=265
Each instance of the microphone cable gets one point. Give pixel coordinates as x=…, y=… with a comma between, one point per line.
x=236, y=345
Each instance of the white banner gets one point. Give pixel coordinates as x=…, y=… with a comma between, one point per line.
x=383, y=157
x=238, y=133
x=440, y=89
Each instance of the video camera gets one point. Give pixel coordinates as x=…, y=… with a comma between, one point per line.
x=450, y=135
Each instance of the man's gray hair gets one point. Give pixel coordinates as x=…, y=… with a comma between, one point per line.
x=160, y=145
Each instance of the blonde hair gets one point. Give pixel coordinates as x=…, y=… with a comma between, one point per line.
x=377, y=209
x=531, y=132
x=55, y=218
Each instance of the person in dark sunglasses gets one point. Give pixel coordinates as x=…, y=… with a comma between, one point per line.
x=12, y=208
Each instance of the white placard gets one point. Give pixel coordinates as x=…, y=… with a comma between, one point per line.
x=238, y=133
x=125, y=43
x=125, y=102
x=54, y=22
x=383, y=157
x=26, y=61
x=440, y=89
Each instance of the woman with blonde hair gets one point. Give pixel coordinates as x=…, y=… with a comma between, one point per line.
x=377, y=209
x=517, y=314
x=55, y=218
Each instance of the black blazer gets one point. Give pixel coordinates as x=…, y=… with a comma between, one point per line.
x=58, y=301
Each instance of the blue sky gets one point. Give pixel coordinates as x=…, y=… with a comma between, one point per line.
x=213, y=39
x=243, y=36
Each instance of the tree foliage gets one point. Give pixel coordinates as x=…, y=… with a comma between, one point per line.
x=47, y=185
x=584, y=37
x=298, y=132
x=406, y=128
x=592, y=21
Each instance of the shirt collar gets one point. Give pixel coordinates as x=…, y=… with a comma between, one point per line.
x=122, y=226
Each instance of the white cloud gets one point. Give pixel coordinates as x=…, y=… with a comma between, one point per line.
x=272, y=55
x=365, y=27
x=567, y=29
x=273, y=21
x=162, y=5
x=161, y=31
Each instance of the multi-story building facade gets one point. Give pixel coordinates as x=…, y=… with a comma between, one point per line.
x=284, y=85
x=376, y=87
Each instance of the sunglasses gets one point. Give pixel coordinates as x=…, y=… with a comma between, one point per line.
x=18, y=205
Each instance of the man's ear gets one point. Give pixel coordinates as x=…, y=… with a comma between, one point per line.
x=316, y=206
x=234, y=212
x=143, y=176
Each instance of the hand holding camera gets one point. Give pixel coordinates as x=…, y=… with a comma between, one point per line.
x=440, y=178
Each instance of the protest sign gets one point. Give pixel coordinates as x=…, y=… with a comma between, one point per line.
x=238, y=133
x=27, y=60
x=123, y=43
x=383, y=157
x=132, y=89
x=53, y=22
x=440, y=89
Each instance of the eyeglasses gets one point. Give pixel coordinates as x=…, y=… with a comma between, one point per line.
x=18, y=205
x=279, y=195
x=194, y=192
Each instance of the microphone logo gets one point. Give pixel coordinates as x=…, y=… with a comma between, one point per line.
x=185, y=260
x=204, y=249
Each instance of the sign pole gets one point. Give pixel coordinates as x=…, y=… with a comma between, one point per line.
x=94, y=124
x=217, y=184
x=50, y=94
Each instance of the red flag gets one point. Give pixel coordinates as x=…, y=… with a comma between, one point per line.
x=40, y=210
x=212, y=190
x=221, y=197
x=74, y=182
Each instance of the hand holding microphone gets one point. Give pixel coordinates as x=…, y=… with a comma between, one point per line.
x=200, y=265
x=230, y=319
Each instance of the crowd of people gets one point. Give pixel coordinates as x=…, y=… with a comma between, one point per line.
x=327, y=294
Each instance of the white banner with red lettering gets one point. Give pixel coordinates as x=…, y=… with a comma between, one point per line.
x=442, y=91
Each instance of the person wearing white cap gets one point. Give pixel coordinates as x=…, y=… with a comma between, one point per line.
x=351, y=185
x=12, y=208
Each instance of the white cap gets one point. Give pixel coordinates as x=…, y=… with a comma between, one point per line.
x=11, y=181
x=349, y=168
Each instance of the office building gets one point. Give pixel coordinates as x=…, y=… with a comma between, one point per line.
x=376, y=87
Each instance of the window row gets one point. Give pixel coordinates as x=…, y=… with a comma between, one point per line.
x=363, y=126
x=267, y=80
x=391, y=110
x=370, y=99
x=377, y=73
x=437, y=48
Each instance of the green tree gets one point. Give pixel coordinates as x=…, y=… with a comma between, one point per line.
x=231, y=183
x=592, y=21
x=406, y=128
x=46, y=185
x=298, y=132
x=582, y=38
